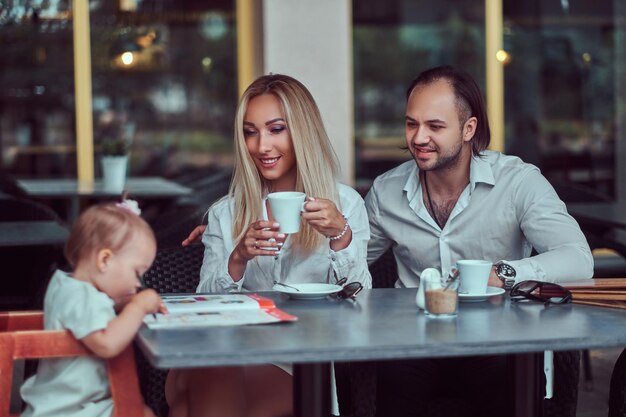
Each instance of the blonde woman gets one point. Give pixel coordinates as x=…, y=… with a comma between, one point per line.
x=280, y=145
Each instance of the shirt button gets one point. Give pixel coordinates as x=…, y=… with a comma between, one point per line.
x=333, y=258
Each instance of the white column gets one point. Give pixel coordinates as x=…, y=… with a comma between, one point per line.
x=311, y=40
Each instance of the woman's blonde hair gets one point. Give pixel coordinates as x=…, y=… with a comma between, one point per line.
x=103, y=226
x=316, y=161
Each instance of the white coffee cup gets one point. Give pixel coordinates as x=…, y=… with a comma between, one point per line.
x=474, y=275
x=286, y=207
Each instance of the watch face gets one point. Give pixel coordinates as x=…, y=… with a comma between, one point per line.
x=505, y=271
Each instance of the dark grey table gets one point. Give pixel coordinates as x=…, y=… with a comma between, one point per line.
x=383, y=324
x=30, y=233
x=139, y=187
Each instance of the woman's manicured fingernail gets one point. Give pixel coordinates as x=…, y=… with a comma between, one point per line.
x=281, y=235
x=276, y=225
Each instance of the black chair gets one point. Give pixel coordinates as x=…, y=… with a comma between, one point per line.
x=173, y=226
x=598, y=236
x=9, y=187
x=14, y=209
x=566, y=375
x=384, y=271
x=175, y=270
x=208, y=189
x=617, y=392
x=33, y=265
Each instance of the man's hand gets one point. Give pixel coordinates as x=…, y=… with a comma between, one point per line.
x=195, y=235
x=494, y=280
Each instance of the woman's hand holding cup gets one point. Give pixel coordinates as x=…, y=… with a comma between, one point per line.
x=261, y=239
x=324, y=216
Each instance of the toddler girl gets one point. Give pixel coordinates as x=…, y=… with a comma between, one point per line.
x=109, y=248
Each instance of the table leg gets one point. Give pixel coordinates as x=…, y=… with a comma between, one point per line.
x=311, y=390
x=74, y=210
x=527, y=399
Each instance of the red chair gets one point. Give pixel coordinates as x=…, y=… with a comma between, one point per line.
x=22, y=337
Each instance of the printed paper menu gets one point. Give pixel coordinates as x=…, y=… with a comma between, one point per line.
x=193, y=310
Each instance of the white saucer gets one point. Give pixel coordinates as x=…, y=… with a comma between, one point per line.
x=308, y=291
x=474, y=298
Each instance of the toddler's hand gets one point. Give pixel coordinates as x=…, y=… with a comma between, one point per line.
x=149, y=301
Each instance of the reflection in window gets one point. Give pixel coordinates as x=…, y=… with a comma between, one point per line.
x=562, y=84
x=165, y=78
x=36, y=89
x=560, y=89
x=393, y=42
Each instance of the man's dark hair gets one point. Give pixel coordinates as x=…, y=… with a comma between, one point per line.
x=469, y=100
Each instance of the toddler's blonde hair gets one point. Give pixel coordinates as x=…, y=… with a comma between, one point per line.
x=103, y=226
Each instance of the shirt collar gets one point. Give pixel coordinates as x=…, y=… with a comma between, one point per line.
x=480, y=171
x=412, y=183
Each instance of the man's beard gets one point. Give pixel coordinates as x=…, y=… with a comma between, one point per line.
x=444, y=162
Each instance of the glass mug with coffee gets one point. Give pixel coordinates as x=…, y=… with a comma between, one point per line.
x=441, y=296
x=286, y=207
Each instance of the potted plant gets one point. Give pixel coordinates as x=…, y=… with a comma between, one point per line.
x=114, y=160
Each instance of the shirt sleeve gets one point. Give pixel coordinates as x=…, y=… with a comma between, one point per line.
x=351, y=261
x=563, y=251
x=379, y=243
x=88, y=311
x=214, y=276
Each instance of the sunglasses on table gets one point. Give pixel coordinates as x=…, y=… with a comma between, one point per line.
x=349, y=291
x=545, y=292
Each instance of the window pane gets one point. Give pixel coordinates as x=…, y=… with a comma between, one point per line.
x=561, y=89
x=36, y=89
x=393, y=42
x=165, y=78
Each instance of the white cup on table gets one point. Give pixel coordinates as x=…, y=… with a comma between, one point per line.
x=286, y=207
x=474, y=275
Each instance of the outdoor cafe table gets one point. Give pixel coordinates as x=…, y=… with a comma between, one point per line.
x=138, y=187
x=385, y=324
x=30, y=233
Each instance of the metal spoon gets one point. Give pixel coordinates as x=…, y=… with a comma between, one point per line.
x=454, y=274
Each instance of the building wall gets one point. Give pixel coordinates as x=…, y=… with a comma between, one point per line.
x=312, y=41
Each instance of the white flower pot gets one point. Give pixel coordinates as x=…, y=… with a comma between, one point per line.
x=114, y=173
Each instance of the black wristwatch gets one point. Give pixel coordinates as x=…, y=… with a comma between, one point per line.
x=506, y=273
